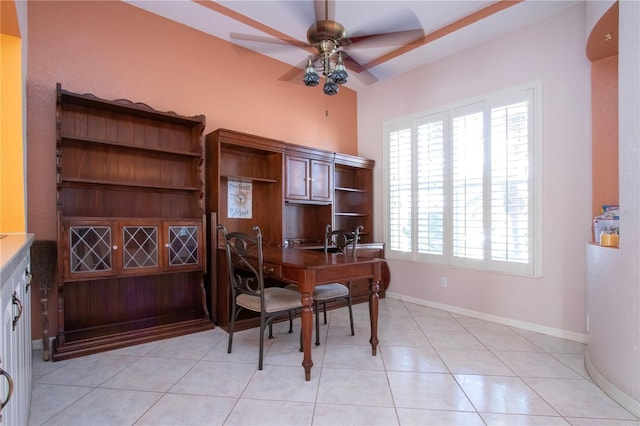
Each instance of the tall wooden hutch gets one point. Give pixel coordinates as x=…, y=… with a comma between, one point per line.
x=131, y=231
x=292, y=192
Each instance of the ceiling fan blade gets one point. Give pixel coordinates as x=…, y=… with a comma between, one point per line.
x=396, y=38
x=296, y=71
x=292, y=74
x=362, y=73
x=325, y=10
x=271, y=40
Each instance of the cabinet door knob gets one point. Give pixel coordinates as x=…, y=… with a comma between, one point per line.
x=10, y=387
x=115, y=247
x=18, y=303
x=166, y=245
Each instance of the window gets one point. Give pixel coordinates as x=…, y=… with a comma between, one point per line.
x=462, y=184
x=400, y=190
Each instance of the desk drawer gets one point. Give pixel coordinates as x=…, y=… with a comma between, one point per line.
x=271, y=270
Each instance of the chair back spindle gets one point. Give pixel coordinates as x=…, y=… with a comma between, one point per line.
x=341, y=241
x=246, y=277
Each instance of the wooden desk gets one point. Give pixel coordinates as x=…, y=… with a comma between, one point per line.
x=308, y=268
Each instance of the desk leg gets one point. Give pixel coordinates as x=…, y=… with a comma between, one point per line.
x=307, y=325
x=374, y=297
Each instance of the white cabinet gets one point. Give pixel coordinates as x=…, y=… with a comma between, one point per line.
x=15, y=341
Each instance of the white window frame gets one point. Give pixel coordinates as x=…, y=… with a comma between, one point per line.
x=533, y=267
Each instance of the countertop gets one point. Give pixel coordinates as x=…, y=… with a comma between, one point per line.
x=13, y=248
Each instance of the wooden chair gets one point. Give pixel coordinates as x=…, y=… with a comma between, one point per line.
x=345, y=243
x=245, y=261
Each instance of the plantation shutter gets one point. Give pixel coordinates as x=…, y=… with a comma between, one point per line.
x=510, y=183
x=464, y=184
x=400, y=183
x=468, y=184
x=430, y=185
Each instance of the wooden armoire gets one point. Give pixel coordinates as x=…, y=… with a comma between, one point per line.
x=131, y=230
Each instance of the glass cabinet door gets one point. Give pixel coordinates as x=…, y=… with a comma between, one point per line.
x=140, y=248
x=99, y=249
x=183, y=246
x=90, y=247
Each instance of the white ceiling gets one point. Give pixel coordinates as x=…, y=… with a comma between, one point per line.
x=281, y=19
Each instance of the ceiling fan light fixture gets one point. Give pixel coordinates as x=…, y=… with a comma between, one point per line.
x=311, y=77
x=327, y=36
x=339, y=73
x=330, y=87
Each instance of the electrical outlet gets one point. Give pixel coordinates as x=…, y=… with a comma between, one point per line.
x=443, y=281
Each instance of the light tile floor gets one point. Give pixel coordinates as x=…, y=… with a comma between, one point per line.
x=432, y=368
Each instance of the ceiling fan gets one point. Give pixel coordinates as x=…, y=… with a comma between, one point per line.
x=329, y=47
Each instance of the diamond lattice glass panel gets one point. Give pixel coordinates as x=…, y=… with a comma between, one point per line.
x=90, y=248
x=183, y=245
x=140, y=247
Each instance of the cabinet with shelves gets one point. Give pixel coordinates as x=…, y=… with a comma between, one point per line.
x=353, y=198
x=237, y=158
x=308, y=194
x=130, y=224
x=242, y=171
x=293, y=198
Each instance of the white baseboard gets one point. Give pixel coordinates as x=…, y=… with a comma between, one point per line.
x=607, y=387
x=523, y=325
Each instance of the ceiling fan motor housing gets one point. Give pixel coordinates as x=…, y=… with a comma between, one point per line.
x=327, y=36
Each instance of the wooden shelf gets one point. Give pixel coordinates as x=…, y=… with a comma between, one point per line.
x=340, y=188
x=352, y=214
x=115, y=144
x=117, y=336
x=107, y=218
x=353, y=194
x=127, y=107
x=309, y=203
x=249, y=179
x=80, y=182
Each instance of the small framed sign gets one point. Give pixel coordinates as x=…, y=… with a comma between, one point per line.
x=239, y=202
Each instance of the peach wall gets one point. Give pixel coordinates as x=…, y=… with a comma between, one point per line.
x=594, y=12
x=553, y=52
x=114, y=50
x=604, y=107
